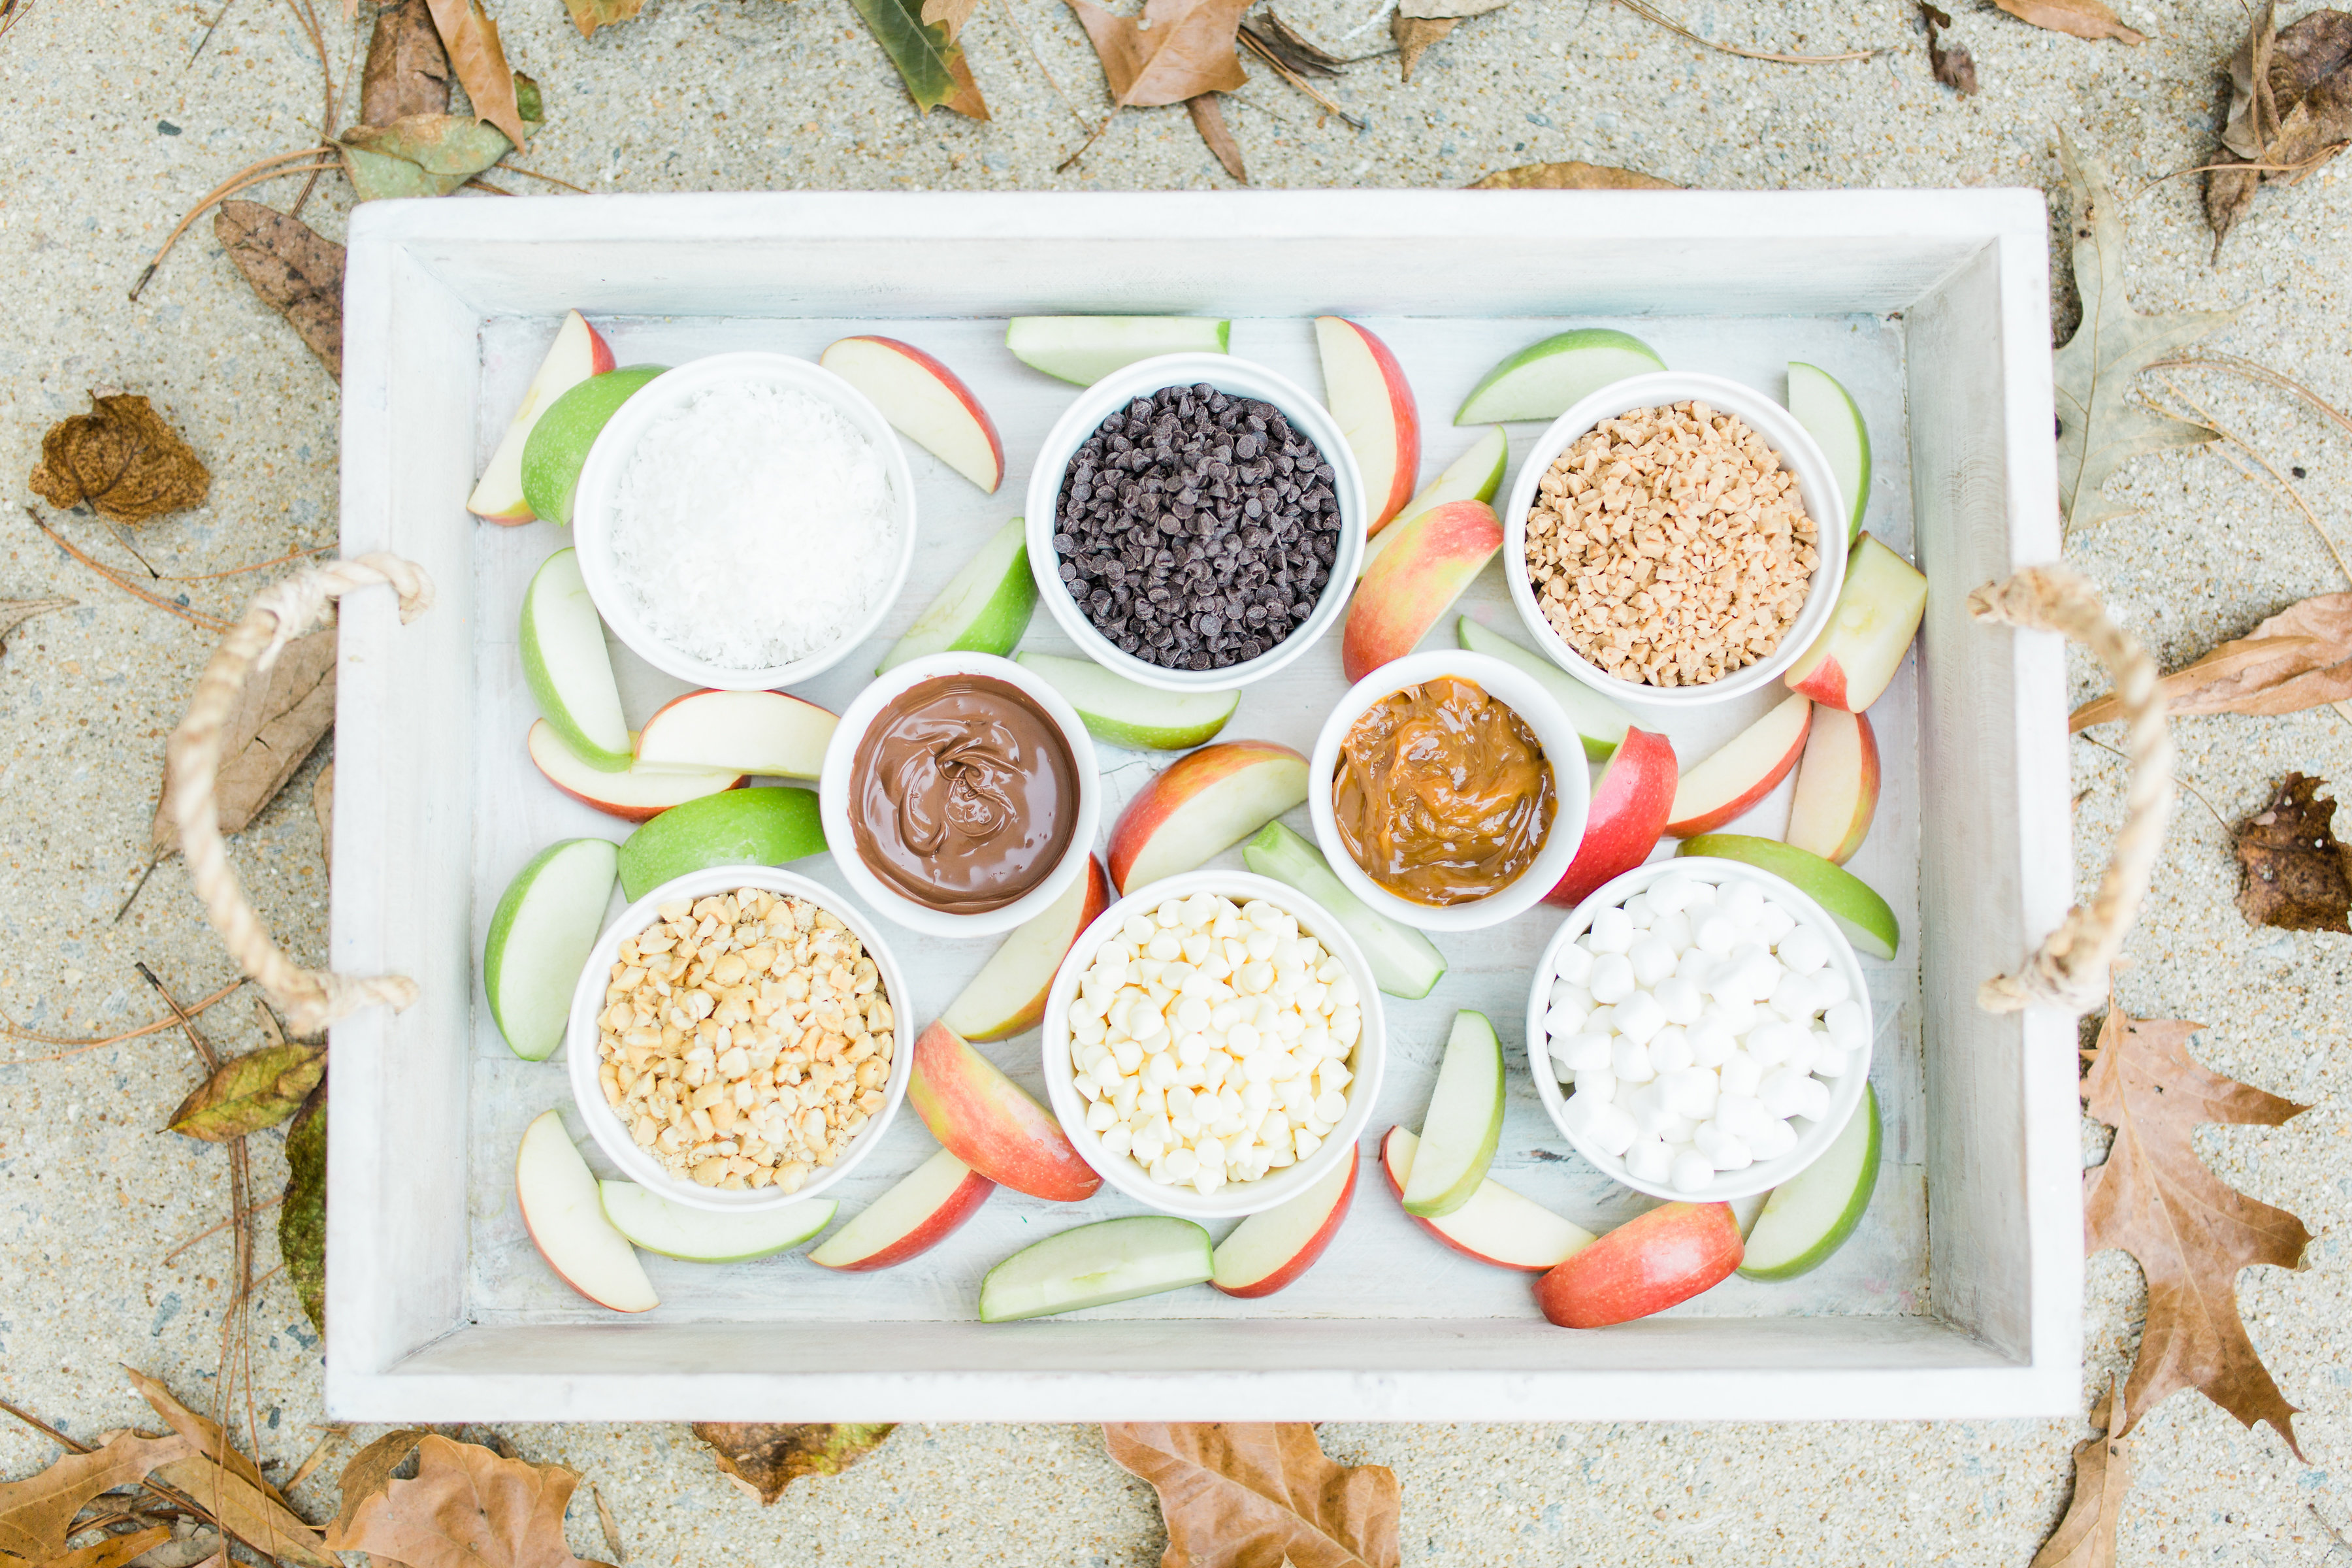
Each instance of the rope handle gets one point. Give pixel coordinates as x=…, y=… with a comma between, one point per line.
x=2069, y=970
x=310, y=999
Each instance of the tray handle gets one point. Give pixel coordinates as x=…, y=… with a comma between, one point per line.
x=2069, y=970
x=310, y=999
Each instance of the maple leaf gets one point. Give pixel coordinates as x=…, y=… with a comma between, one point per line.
x=2085, y=1536
x=2300, y=117
x=2083, y=18
x=282, y=716
x=2295, y=868
x=298, y=272
x=1181, y=49
x=764, y=1458
x=2100, y=427
x=2190, y=1234
x=1254, y=1494
x=466, y=1508
x=2298, y=659
x=123, y=459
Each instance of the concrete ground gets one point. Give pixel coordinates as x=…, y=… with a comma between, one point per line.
x=124, y=112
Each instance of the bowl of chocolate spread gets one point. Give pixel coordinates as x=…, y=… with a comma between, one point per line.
x=961, y=795
x=1449, y=790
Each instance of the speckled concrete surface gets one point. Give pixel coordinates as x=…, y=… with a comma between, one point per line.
x=114, y=128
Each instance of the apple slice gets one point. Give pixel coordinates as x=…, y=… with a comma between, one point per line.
x=1831, y=418
x=764, y=826
x=925, y=402
x=1476, y=475
x=567, y=667
x=1809, y=1217
x=702, y=1236
x=1274, y=1246
x=1601, y=722
x=924, y=1207
x=635, y=794
x=1837, y=787
x=984, y=608
x=1202, y=802
x=766, y=732
x=1415, y=581
x=557, y=447
x=1496, y=1225
x=1404, y=962
x=1129, y=713
x=1742, y=771
x=1365, y=391
x=1008, y=994
x=541, y=934
x=567, y=1224
x=577, y=353
x=1650, y=1263
x=991, y=1123
x=1465, y=1123
x=1085, y=349
x=1877, y=614
x=1859, y=911
x=1542, y=380
x=1630, y=802
x=1095, y=1265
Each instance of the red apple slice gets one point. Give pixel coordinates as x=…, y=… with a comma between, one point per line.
x=1837, y=787
x=1204, y=802
x=1496, y=1225
x=1877, y=614
x=1742, y=771
x=927, y=1206
x=1648, y=1264
x=926, y=401
x=1272, y=1248
x=1415, y=581
x=764, y=733
x=991, y=1124
x=1365, y=389
x=1008, y=994
x=577, y=353
x=634, y=795
x=564, y=1214
x=1631, y=803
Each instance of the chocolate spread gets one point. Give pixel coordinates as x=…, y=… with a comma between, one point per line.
x=1441, y=793
x=964, y=795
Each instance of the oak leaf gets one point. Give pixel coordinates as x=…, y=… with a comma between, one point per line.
x=122, y=459
x=113, y=1550
x=466, y=1508
x=35, y=1512
x=1181, y=49
x=2298, y=659
x=2190, y=1234
x=2083, y=18
x=205, y=1436
x=764, y=1459
x=1255, y=1494
x=285, y=711
x=247, y=1094
x=933, y=67
x=590, y=15
x=2290, y=109
x=302, y=1216
x=2295, y=867
x=1955, y=67
x=14, y=613
x=246, y=1511
x=480, y=62
x=390, y=1457
x=2085, y=1536
x=298, y=272
x=1208, y=112
x=1569, y=177
x=408, y=70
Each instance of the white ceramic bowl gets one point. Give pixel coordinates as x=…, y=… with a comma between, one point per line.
x=1241, y=378
x=608, y=459
x=841, y=757
x=1799, y=453
x=1572, y=786
x=1234, y=1199
x=581, y=1058
x=1814, y=1138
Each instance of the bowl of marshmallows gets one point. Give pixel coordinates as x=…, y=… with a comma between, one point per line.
x=1699, y=1030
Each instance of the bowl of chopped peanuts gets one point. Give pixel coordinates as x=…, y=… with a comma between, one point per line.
x=1674, y=537
x=734, y=1044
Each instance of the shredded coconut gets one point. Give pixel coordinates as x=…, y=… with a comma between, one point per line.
x=754, y=526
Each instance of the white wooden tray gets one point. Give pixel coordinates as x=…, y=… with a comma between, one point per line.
x=1958, y=1296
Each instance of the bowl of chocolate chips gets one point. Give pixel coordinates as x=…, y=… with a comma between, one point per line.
x=1195, y=522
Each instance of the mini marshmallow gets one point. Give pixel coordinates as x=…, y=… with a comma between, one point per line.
x=1612, y=931
x=1575, y=964
x=1740, y=1113
x=1652, y=960
x=1735, y=1013
x=1848, y=1027
x=1769, y=1043
x=1779, y=1093
x=1611, y=1129
x=1630, y=1060
x=1812, y=1099
x=1775, y=923
x=1640, y=1017
x=1714, y=933
x=1671, y=894
x=1804, y=1044
x=1673, y=930
x=1690, y=1092
x=1602, y=1021
x=1578, y=1052
x=1657, y=1121
x=1612, y=979
x=1732, y=1152
x=1829, y=1058
x=1743, y=902
x=1597, y=1084
x=1804, y=949
x=1711, y=1043
x=1565, y=1018
x=1670, y=1049
x=1650, y=1160
x=1573, y=990
x=1772, y=1140
x=1701, y=897
x=1834, y=988
x=1696, y=966
x=1739, y=1074
x=1691, y=1172
x=1639, y=910
x=1792, y=996
x=1681, y=999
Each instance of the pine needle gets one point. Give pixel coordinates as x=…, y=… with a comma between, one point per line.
x=1649, y=12
x=194, y=617
x=245, y=179
x=2214, y=359
x=1294, y=79
x=2247, y=448
x=10, y=1030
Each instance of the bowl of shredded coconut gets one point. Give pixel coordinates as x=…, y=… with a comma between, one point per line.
x=745, y=520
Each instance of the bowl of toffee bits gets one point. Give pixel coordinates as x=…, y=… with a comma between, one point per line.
x=1195, y=522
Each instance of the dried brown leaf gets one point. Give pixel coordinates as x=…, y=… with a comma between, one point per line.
x=113, y=1550
x=204, y=1434
x=1955, y=67
x=390, y=1457
x=480, y=62
x=764, y=1458
x=1255, y=1494
x=247, y=1094
x=14, y=613
x=951, y=15
x=2083, y=18
x=1413, y=35
x=284, y=714
x=1291, y=49
x=298, y=272
x=302, y=1216
x=1181, y=49
x=246, y=1511
x=2298, y=659
x=467, y=1508
x=590, y=15
x=408, y=70
x=2190, y=1234
x=1208, y=113
x=966, y=100
x=123, y=459
x=1569, y=177
x=2298, y=118
x=605, y=1522
x=322, y=808
x=2085, y=1536
x=2295, y=866
x=36, y=1511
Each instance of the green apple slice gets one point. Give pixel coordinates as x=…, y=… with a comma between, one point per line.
x=763, y=827
x=539, y=937
x=1542, y=380
x=1404, y=962
x=701, y=1236
x=1124, y=712
x=1465, y=1124
x=1085, y=349
x=1830, y=416
x=1810, y=1218
x=984, y=608
x=1476, y=475
x=1599, y=723
x=569, y=671
x=1859, y=911
x=1095, y=1265
x=558, y=448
